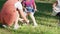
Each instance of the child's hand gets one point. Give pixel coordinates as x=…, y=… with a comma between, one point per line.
x=35, y=9
x=55, y=8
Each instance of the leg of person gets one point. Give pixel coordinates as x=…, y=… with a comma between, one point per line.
x=54, y=13
x=7, y=22
x=33, y=19
x=16, y=25
x=27, y=17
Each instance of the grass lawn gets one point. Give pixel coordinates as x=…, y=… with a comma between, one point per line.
x=47, y=24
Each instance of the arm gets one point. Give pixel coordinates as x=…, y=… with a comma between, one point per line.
x=55, y=4
x=20, y=9
x=23, y=16
x=34, y=5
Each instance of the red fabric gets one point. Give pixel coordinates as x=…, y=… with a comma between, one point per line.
x=8, y=12
x=28, y=3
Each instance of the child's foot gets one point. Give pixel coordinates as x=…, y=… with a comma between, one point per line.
x=35, y=24
x=28, y=22
x=5, y=26
x=17, y=26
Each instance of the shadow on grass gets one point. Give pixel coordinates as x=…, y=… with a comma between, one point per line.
x=44, y=10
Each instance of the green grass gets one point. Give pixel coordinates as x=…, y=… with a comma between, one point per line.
x=47, y=23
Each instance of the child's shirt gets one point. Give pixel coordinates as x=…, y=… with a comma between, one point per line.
x=28, y=3
x=18, y=5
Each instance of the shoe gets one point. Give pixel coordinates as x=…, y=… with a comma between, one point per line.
x=5, y=26
x=35, y=24
x=16, y=27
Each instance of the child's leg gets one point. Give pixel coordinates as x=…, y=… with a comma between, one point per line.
x=33, y=19
x=16, y=25
x=26, y=15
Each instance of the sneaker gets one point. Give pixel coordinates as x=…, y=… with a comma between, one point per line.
x=16, y=27
x=35, y=24
x=5, y=26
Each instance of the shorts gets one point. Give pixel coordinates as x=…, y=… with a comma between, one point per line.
x=29, y=9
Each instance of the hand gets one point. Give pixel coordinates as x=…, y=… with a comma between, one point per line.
x=27, y=22
x=35, y=9
x=55, y=8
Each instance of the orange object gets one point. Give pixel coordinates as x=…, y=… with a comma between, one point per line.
x=9, y=12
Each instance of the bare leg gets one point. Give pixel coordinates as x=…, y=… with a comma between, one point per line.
x=33, y=19
x=16, y=25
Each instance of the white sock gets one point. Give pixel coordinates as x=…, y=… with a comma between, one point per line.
x=16, y=26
